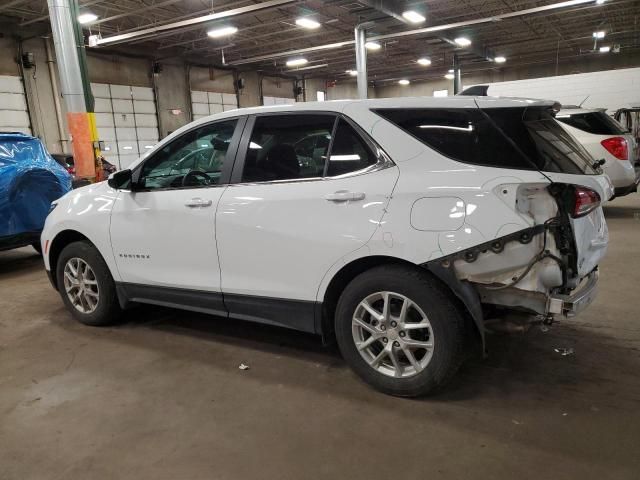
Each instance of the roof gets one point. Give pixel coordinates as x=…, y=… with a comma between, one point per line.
x=573, y=110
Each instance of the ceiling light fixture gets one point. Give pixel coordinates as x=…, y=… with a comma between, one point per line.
x=87, y=18
x=296, y=62
x=449, y=76
x=500, y=59
x=424, y=61
x=353, y=73
x=222, y=32
x=605, y=49
x=307, y=22
x=413, y=16
x=600, y=2
x=404, y=81
x=462, y=41
x=373, y=46
x=599, y=34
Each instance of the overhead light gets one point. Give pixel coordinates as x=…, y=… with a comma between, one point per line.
x=462, y=41
x=222, y=31
x=373, y=46
x=424, y=61
x=413, y=16
x=296, y=62
x=599, y=34
x=450, y=71
x=600, y=2
x=87, y=17
x=605, y=49
x=353, y=73
x=307, y=22
x=404, y=81
x=500, y=59
x=449, y=76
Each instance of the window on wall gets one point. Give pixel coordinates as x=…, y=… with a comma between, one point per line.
x=441, y=93
x=194, y=159
x=284, y=147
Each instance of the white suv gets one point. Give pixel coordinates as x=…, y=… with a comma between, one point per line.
x=606, y=141
x=398, y=226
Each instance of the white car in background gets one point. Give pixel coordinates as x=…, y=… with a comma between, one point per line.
x=396, y=225
x=605, y=139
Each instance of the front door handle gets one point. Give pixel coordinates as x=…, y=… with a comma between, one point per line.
x=198, y=203
x=344, y=196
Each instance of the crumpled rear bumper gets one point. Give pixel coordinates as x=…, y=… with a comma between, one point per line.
x=574, y=303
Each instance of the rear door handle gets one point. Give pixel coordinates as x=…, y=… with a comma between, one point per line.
x=344, y=196
x=198, y=202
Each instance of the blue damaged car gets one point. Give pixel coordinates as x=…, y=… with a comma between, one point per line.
x=30, y=179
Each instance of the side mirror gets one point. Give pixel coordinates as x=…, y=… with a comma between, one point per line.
x=120, y=180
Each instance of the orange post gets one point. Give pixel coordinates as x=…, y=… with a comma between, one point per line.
x=80, y=128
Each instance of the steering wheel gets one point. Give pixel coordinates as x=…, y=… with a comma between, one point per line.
x=193, y=174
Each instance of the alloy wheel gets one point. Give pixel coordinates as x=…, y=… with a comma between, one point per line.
x=81, y=285
x=392, y=334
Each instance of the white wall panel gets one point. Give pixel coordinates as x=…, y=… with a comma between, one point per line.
x=199, y=97
x=13, y=106
x=610, y=89
x=229, y=107
x=142, y=93
x=144, y=106
x=102, y=105
x=215, y=98
x=107, y=133
x=144, y=146
x=127, y=148
x=100, y=90
x=229, y=99
x=125, y=133
x=124, y=120
x=215, y=108
x=147, y=133
x=200, y=109
x=122, y=106
x=146, y=120
x=120, y=91
x=104, y=120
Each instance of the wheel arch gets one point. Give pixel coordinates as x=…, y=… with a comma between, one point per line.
x=463, y=294
x=61, y=240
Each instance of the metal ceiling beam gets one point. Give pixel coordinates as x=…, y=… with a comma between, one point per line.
x=115, y=39
x=432, y=29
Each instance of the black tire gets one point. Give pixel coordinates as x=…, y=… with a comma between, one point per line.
x=447, y=326
x=107, y=310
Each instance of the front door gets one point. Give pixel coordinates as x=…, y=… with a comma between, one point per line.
x=292, y=213
x=163, y=231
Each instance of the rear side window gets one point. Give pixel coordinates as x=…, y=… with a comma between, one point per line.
x=598, y=123
x=349, y=152
x=519, y=138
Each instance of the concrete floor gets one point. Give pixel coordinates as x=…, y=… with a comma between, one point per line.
x=161, y=397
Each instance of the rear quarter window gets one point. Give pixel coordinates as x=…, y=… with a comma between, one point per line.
x=597, y=123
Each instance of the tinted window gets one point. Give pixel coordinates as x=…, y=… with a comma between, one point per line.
x=349, y=151
x=284, y=147
x=598, y=123
x=192, y=160
x=517, y=138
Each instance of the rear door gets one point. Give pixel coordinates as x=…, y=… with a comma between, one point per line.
x=292, y=211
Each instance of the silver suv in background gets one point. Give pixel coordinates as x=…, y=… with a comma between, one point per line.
x=605, y=139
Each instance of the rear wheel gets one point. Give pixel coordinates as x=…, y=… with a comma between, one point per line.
x=86, y=285
x=400, y=331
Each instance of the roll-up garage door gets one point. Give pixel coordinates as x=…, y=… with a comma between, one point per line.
x=13, y=106
x=127, y=121
x=207, y=103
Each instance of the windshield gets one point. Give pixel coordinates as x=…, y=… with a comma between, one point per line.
x=598, y=123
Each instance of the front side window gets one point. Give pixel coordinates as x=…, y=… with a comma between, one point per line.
x=519, y=138
x=193, y=160
x=287, y=147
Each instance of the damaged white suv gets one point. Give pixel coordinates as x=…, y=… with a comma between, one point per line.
x=399, y=225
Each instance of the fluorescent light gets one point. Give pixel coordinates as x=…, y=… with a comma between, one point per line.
x=373, y=45
x=222, y=32
x=449, y=76
x=353, y=73
x=450, y=71
x=404, y=81
x=600, y=2
x=605, y=49
x=424, y=61
x=500, y=59
x=413, y=16
x=296, y=62
x=87, y=17
x=599, y=34
x=307, y=23
x=462, y=41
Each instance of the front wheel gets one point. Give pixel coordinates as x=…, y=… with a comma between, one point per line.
x=400, y=330
x=86, y=286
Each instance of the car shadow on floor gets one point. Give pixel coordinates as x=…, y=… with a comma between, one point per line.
x=18, y=262
x=518, y=365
